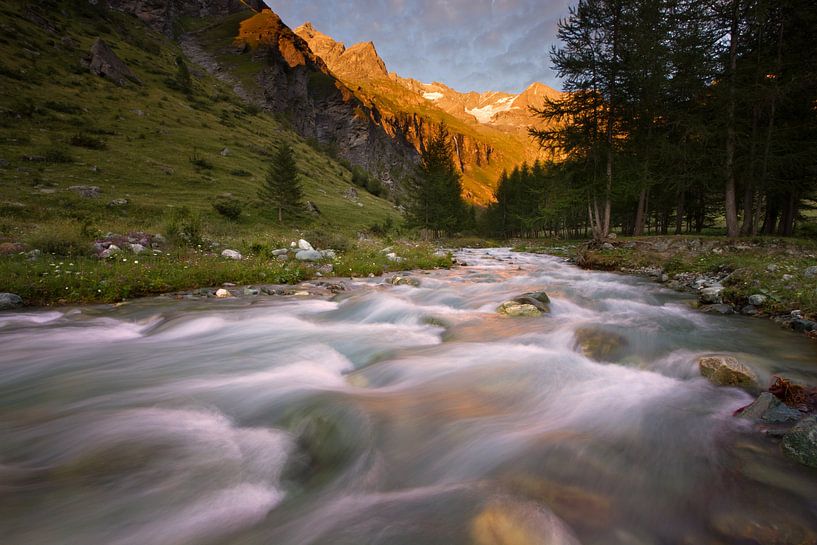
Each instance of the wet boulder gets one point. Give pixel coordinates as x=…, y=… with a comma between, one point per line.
x=538, y=299
x=10, y=301
x=767, y=408
x=800, y=443
x=405, y=281
x=512, y=308
x=598, y=344
x=727, y=371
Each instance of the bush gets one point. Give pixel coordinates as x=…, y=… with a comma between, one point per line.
x=382, y=229
x=83, y=140
x=62, y=239
x=200, y=162
x=229, y=208
x=241, y=173
x=184, y=226
x=58, y=155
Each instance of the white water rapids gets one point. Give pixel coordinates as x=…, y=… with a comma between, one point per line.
x=396, y=415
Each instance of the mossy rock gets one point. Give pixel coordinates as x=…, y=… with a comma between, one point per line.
x=800, y=443
x=512, y=308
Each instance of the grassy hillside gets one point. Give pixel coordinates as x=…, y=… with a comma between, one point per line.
x=151, y=144
x=160, y=157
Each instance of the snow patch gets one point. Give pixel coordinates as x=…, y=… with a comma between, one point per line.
x=486, y=113
x=432, y=96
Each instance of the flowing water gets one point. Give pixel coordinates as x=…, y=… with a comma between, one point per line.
x=396, y=415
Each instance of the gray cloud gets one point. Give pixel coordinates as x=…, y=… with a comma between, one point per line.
x=478, y=45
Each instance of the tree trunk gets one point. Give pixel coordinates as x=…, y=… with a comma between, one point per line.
x=638, y=228
x=729, y=195
x=679, y=214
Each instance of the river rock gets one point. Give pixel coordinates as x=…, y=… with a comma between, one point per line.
x=718, y=309
x=231, y=254
x=810, y=272
x=727, y=371
x=304, y=245
x=800, y=443
x=769, y=409
x=757, y=299
x=538, y=299
x=9, y=301
x=710, y=296
x=308, y=255
x=280, y=251
x=405, y=281
x=328, y=254
x=598, y=344
x=391, y=256
x=222, y=293
x=137, y=248
x=516, y=523
x=512, y=308
x=250, y=291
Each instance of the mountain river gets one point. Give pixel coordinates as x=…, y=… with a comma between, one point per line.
x=397, y=415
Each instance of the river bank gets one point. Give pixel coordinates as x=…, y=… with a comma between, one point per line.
x=771, y=278
x=135, y=270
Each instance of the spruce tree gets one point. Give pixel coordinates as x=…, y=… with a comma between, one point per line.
x=282, y=189
x=436, y=191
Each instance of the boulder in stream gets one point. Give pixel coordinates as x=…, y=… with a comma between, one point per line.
x=515, y=523
x=598, y=344
x=769, y=409
x=800, y=443
x=9, y=301
x=512, y=308
x=727, y=371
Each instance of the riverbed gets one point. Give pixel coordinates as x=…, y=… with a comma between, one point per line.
x=397, y=415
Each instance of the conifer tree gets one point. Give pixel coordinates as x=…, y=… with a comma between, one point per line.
x=436, y=191
x=282, y=189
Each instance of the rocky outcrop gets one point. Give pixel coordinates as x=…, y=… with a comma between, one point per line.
x=103, y=62
x=297, y=83
x=162, y=15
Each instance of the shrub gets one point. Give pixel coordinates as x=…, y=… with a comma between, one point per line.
x=382, y=229
x=84, y=140
x=229, y=208
x=241, y=173
x=62, y=239
x=58, y=155
x=200, y=162
x=184, y=226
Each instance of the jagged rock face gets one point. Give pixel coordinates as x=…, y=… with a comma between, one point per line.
x=298, y=83
x=481, y=142
x=162, y=14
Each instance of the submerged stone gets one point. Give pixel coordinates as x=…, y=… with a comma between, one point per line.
x=769, y=409
x=598, y=344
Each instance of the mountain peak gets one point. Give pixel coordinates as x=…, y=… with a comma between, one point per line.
x=359, y=61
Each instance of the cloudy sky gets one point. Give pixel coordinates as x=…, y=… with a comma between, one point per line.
x=470, y=45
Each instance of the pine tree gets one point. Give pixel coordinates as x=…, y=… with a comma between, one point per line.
x=436, y=191
x=282, y=189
